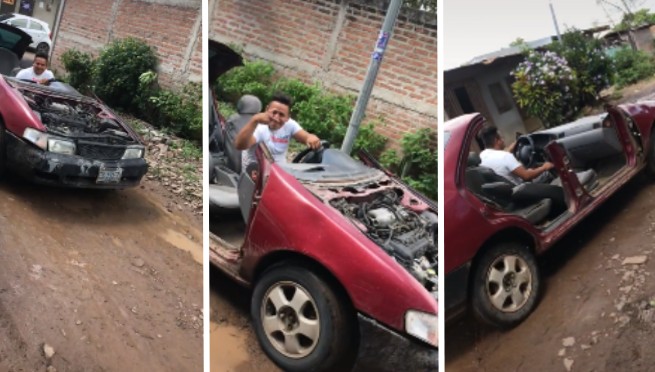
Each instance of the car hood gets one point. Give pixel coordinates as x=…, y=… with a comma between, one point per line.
x=221, y=59
x=14, y=39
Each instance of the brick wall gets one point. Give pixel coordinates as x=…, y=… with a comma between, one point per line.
x=331, y=41
x=172, y=27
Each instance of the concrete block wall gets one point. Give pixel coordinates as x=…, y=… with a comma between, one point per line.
x=331, y=41
x=172, y=27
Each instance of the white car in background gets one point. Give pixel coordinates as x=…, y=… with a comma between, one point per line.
x=36, y=28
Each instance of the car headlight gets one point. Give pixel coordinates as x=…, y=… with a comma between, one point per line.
x=40, y=139
x=61, y=146
x=133, y=153
x=423, y=326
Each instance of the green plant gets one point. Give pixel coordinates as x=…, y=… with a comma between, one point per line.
x=418, y=164
x=632, y=66
x=545, y=86
x=253, y=78
x=370, y=140
x=326, y=115
x=180, y=112
x=118, y=69
x=79, y=66
x=585, y=56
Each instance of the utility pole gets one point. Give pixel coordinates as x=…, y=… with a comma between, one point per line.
x=552, y=12
x=373, y=67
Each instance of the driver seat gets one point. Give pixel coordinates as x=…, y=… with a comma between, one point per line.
x=247, y=107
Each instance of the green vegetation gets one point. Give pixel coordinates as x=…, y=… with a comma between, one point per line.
x=124, y=77
x=632, y=66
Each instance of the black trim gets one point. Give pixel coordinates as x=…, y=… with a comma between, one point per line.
x=456, y=291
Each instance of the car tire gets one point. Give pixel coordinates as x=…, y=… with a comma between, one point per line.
x=301, y=322
x=505, y=285
x=43, y=48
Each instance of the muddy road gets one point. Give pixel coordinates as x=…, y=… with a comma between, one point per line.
x=108, y=280
x=597, y=312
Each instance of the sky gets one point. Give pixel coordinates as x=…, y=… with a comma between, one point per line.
x=475, y=27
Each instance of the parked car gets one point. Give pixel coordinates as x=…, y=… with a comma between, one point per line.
x=495, y=229
x=36, y=28
x=55, y=135
x=342, y=259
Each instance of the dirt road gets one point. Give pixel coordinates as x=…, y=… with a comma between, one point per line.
x=597, y=312
x=109, y=280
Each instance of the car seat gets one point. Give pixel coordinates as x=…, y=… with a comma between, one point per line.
x=247, y=107
x=8, y=61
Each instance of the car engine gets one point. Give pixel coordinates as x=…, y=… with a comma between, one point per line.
x=75, y=119
x=410, y=238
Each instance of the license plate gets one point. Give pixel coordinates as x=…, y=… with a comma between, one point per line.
x=109, y=175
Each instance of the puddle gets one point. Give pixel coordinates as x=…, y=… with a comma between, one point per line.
x=182, y=242
x=228, y=349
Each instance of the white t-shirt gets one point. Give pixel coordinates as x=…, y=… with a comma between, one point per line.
x=28, y=74
x=277, y=142
x=501, y=162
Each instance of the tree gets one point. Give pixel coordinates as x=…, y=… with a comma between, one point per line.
x=636, y=19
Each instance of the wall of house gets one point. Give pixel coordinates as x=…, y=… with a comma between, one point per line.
x=331, y=41
x=508, y=122
x=172, y=27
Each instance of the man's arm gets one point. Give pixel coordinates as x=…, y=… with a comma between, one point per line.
x=245, y=139
x=528, y=174
x=304, y=137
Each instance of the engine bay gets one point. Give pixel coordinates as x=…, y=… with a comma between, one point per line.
x=408, y=237
x=75, y=118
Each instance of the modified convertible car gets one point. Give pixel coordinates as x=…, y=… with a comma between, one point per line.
x=341, y=256
x=54, y=135
x=495, y=229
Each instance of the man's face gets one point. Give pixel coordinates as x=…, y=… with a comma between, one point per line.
x=279, y=114
x=39, y=65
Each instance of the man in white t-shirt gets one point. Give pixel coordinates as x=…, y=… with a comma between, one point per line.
x=39, y=72
x=275, y=128
x=503, y=162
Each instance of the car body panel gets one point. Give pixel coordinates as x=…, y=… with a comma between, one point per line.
x=464, y=209
x=94, y=156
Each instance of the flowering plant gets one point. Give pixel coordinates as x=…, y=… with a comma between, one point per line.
x=545, y=87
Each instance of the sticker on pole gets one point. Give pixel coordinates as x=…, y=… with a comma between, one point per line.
x=381, y=45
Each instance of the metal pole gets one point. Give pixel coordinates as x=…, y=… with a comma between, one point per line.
x=373, y=67
x=552, y=12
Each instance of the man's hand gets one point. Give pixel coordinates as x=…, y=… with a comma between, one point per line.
x=43, y=81
x=262, y=118
x=313, y=142
x=547, y=166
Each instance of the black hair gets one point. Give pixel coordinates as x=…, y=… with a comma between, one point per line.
x=41, y=55
x=283, y=98
x=488, y=136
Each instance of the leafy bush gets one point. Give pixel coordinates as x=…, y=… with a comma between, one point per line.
x=80, y=67
x=181, y=113
x=254, y=78
x=118, y=69
x=632, y=66
x=418, y=165
x=545, y=87
x=585, y=56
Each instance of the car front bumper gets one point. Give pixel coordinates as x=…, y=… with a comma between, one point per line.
x=383, y=349
x=69, y=170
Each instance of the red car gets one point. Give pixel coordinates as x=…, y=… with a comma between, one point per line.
x=54, y=135
x=495, y=229
x=342, y=259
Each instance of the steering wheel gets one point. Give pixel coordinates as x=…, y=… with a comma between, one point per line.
x=311, y=156
x=525, y=151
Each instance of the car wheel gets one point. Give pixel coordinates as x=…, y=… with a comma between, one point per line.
x=505, y=285
x=301, y=322
x=43, y=48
